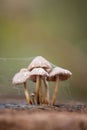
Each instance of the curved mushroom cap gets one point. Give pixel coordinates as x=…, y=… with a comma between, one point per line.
x=37, y=71
x=40, y=62
x=20, y=77
x=23, y=70
x=58, y=71
x=33, y=94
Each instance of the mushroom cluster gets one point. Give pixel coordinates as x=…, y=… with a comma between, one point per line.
x=40, y=70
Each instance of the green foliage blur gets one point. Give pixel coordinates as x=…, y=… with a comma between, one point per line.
x=54, y=29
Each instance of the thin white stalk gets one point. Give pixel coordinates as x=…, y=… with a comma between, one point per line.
x=55, y=91
x=37, y=88
x=27, y=94
x=47, y=95
x=40, y=91
x=33, y=100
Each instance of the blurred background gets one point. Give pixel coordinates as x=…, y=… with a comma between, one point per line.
x=54, y=29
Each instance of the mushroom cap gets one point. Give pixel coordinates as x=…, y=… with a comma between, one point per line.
x=33, y=94
x=37, y=71
x=40, y=62
x=58, y=71
x=23, y=70
x=20, y=77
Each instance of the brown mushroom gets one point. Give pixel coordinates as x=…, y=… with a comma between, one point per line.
x=35, y=75
x=58, y=74
x=21, y=78
x=40, y=62
x=33, y=97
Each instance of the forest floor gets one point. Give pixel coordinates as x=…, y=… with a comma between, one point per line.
x=20, y=116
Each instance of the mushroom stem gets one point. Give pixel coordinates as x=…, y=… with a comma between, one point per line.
x=55, y=91
x=37, y=88
x=33, y=100
x=47, y=91
x=40, y=91
x=26, y=94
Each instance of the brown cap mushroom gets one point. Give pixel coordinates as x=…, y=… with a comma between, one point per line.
x=21, y=78
x=58, y=74
x=36, y=74
x=63, y=74
x=33, y=95
x=40, y=62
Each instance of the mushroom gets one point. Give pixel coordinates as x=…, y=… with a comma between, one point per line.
x=33, y=95
x=35, y=75
x=40, y=62
x=58, y=74
x=21, y=78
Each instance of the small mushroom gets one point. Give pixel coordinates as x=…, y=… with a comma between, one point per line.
x=21, y=78
x=33, y=97
x=58, y=74
x=40, y=62
x=35, y=75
